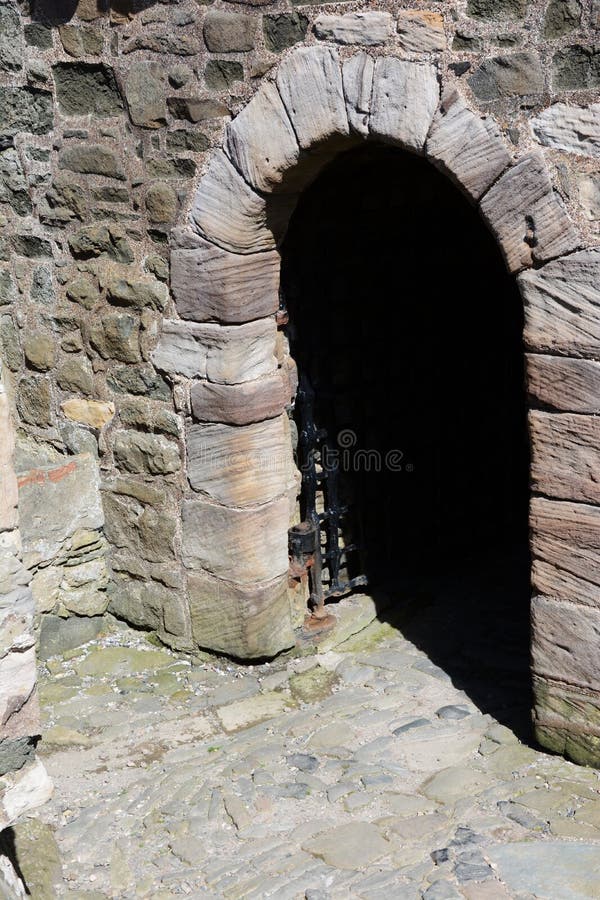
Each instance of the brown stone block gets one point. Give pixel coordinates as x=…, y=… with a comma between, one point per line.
x=240, y=465
x=242, y=545
x=247, y=623
x=565, y=639
x=565, y=544
x=569, y=385
x=562, y=305
x=527, y=217
x=565, y=455
x=212, y=285
x=239, y=404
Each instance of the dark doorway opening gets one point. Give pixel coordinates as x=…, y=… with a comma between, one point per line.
x=408, y=327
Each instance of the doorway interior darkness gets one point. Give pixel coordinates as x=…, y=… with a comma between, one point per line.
x=409, y=327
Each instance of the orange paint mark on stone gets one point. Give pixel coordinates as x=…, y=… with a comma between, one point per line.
x=62, y=472
x=36, y=476
x=40, y=476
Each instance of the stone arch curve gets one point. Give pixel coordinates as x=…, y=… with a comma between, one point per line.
x=225, y=283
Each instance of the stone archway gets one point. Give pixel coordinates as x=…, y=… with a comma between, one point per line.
x=225, y=282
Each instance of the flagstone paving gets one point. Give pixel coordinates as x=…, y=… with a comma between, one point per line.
x=356, y=770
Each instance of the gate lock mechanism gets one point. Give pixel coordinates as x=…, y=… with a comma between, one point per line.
x=305, y=560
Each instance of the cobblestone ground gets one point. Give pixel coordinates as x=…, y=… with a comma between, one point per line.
x=358, y=770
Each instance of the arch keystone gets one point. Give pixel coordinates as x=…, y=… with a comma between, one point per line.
x=405, y=98
x=310, y=84
x=357, y=77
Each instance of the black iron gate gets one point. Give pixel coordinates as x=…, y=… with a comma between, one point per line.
x=320, y=543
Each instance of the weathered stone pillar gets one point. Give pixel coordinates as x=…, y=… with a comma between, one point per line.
x=24, y=784
x=562, y=335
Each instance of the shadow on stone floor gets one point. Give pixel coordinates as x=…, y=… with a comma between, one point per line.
x=473, y=624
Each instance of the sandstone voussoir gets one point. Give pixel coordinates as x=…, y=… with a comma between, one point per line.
x=527, y=216
x=405, y=97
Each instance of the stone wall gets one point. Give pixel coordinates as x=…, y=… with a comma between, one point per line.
x=109, y=114
x=24, y=784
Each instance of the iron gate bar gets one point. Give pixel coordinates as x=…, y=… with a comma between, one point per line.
x=313, y=441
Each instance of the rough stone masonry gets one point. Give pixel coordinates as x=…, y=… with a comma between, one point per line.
x=137, y=325
x=24, y=784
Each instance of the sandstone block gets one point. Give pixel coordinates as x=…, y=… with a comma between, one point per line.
x=261, y=142
x=150, y=454
x=226, y=32
x=211, y=284
x=228, y=212
x=240, y=465
x=367, y=28
x=565, y=455
x=563, y=384
x=527, y=217
x=565, y=545
x=562, y=305
x=55, y=502
x=466, y=145
x=564, y=641
x=357, y=78
x=95, y=413
x=245, y=546
x=226, y=354
x=421, y=31
x=240, y=404
x=244, y=623
x=405, y=97
x=575, y=129
x=310, y=84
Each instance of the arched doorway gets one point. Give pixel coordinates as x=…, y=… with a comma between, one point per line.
x=225, y=262
x=406, y=325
